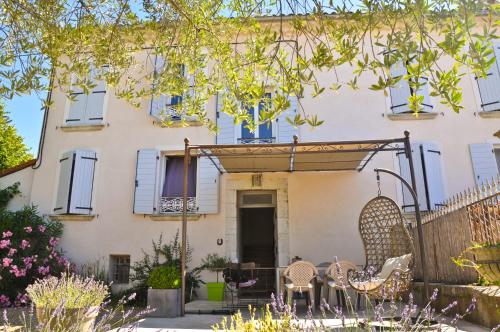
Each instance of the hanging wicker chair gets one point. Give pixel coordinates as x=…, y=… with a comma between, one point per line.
x=384, y=235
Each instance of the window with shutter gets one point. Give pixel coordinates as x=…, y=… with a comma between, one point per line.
x=225, y=125
x=171, y=191
x=428, y=175
x=76, y=179
x=489, y=86
x=484, y=162
x=401, y=91
x=264, y=131
x=169, y=107
x=88, y=109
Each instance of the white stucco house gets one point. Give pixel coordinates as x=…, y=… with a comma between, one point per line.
x=112, y=174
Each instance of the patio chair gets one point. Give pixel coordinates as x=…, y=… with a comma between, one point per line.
x=388, y=248
x=301, y=277
x=336, y=279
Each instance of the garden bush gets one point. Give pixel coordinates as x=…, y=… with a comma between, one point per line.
x=27, y=251
x=164, y=277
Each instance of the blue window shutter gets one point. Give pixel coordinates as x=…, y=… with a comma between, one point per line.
x=63, y=188
x=484, y=162
x=207, y=187
x=225, y=124
x=95, y=108
x=404, y=168
x=286, y=131
x=245, y=132
x=425, y=92
x=265, y=129
x=400, y=92
x=145, y=181
x=434, y=175
x=76, y=113
x=82, y=182
x=158, y=102
x=489, y=86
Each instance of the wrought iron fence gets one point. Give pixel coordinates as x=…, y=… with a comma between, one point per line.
x=174, y=205
x=484, y=220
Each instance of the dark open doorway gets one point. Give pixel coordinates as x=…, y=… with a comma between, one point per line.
x=257, y=236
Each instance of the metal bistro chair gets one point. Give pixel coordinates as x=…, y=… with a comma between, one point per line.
x=388, y=247
x=336, y=278
x=300, y=277
x=239, y=278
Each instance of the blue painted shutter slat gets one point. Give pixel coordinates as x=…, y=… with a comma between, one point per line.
x=489, y=86
x=82, y=184
x=158, y=103
x=145, y=181
x=286, y=131
x=434, y=174
x=404, y=168
x=63, y=188
x=400, y=92
x=207, y=187
x=484, y=162
x=424, y=91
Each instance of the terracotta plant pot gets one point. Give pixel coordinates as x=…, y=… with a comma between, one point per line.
x=488, y=261
x=78, y=320
x=165, y=302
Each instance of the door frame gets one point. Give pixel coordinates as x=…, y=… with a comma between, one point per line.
x=241, y=204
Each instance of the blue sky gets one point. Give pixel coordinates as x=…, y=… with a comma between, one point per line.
x=27, y=115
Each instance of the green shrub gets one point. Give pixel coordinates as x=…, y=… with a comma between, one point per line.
x=214, y=262
x=164, y=277
x=72, y=290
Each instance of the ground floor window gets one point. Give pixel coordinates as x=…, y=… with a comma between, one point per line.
x=172, y=189
x=120, y=268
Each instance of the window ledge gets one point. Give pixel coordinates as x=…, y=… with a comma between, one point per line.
x=90, y=127
x=411, y=116
x=179, y=124
x=71, y=217
x=490, y=114
x=174, y=217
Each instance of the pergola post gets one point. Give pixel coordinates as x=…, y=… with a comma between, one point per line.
x=187, y=160
x=418, y=216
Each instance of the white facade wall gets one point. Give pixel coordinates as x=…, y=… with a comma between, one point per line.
x=318, y=210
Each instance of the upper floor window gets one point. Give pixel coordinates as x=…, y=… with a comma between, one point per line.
x=264, y=131
x=402, y=90
x=489, y=86
x=76, y=180
x=169, y=107
x=87, y=108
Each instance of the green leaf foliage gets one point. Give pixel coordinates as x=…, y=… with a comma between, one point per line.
x=164, y=277
x=13, y=151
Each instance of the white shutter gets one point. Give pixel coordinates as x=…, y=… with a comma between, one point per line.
x=400, y=92
x=286, y=131
x=63, y=188
x=424, y=91
x=434, y=175
x=207, y=186
x=489, y=86
x=404, y=169
x=484, y=162
x=145, y=181
x=95, y=107
x=82, y=182
x=225, y=124
x=76, y=113
x=158, y=103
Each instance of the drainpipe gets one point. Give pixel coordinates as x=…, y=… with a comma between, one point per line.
x=44, y=122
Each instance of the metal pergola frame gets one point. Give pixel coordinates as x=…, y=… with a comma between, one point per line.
x=291, y=151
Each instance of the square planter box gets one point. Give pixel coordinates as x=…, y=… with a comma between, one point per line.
x=166, y=302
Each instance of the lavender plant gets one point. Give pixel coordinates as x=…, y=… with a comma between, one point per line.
x=390, y=313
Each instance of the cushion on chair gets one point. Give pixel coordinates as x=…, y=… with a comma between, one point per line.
x=401, y=262
x=368, y=285
x=292, y=286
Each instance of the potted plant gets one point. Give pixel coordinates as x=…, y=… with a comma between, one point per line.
x=69, y=303
x=487, y=261
x=215, y=263
x=164, y=294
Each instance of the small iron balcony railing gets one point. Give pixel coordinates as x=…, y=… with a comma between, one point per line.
x=174, y=205
x=256, y=140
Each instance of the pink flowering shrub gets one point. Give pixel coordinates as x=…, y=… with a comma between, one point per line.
x=28, y=251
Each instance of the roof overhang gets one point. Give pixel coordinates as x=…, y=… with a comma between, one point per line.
x=295, y=157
